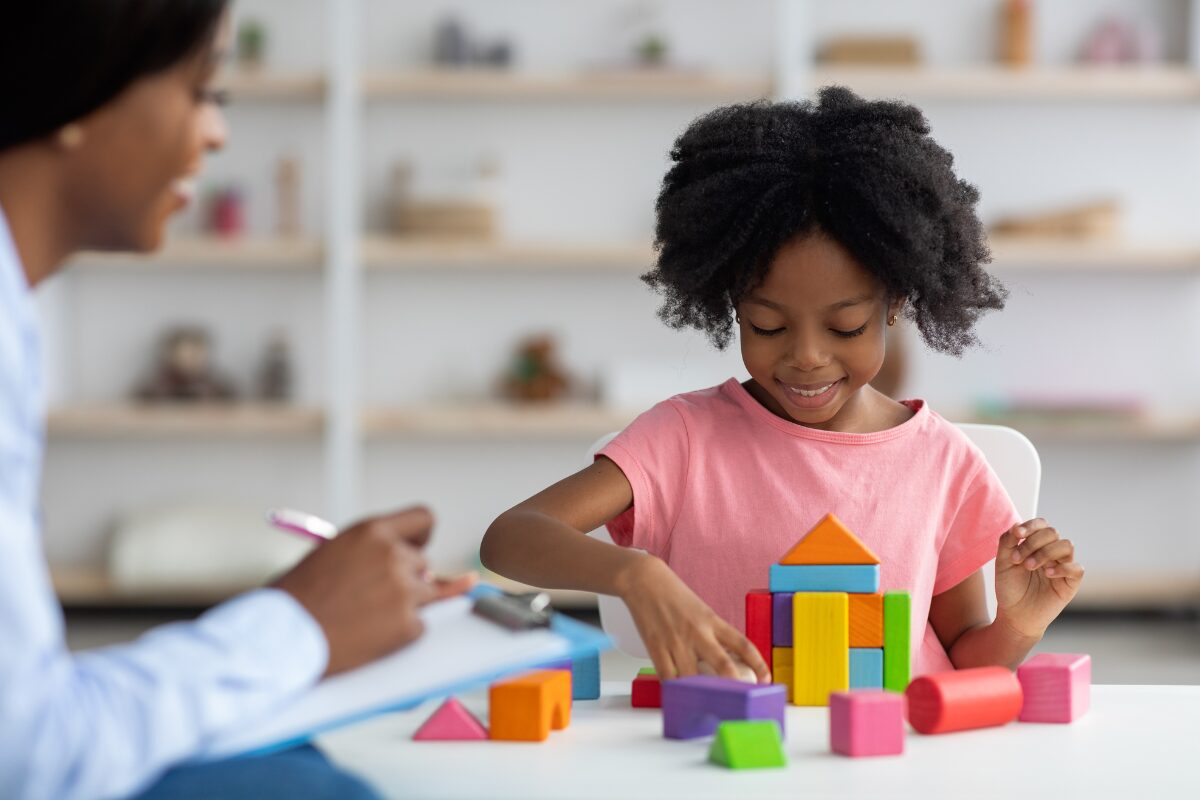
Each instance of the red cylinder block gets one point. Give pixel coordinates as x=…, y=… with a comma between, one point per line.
x=964, y=699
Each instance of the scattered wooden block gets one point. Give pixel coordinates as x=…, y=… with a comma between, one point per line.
x=820, y=646
x=866, y=620
x=781, y=619
x=759, y=622
x=866, y=668
x=747, y=744
x=964, y=699
x=585, y=677
x=863, y=578
x=897, y=635
x=527, y=708
x=866, y=723
x=450, y=723
x=1057, y=687
x=647, y=690
x=693, y=706
x=829, y=542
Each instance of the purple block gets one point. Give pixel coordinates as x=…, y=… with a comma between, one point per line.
x=781, y=619
x=693, y=707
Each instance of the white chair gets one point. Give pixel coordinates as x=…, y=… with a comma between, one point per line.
x=1011, y=455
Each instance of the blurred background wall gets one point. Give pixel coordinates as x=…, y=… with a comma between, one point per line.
x=461, y=329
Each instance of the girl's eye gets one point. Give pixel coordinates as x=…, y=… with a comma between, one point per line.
x=850, y=334
x=765, y=331
x=216, y=97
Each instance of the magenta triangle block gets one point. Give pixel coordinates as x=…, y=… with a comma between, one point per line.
x=450, y=723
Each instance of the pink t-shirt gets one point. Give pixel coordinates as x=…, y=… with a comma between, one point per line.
x=722, y=488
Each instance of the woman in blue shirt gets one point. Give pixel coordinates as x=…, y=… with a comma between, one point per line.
x=108, y=112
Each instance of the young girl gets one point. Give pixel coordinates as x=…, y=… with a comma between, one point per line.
x=812, y=228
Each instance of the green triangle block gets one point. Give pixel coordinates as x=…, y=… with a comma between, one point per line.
x=647, y=671
x=747, y=744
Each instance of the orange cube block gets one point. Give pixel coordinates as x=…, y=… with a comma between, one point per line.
x=527, y=708
x=866, y=620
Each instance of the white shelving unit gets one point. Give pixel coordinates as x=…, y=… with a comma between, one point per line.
x=391, y=326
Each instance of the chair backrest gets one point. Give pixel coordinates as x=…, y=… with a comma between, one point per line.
x=1009, y=453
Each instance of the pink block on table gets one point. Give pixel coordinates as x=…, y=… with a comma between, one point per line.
x=1057, y=687
x=867, y=722
x=450, y=723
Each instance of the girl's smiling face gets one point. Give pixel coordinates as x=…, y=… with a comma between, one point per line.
x=812, y=335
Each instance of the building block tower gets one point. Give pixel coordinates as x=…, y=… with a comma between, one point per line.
x=823, y=625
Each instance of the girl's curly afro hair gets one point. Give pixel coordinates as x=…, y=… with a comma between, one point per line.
x=748, y=178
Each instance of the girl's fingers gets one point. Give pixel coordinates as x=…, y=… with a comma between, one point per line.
x=1007, y=545
x=1070, y=570
x=1033, y=542
x=664, y=665
x=717, y=658
x=733, y=641
x=684, y=658
x=1060, y=550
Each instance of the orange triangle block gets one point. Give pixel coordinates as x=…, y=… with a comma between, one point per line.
x=829, y=542
x=450, y=723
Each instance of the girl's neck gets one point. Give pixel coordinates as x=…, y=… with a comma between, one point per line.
x=38, y=217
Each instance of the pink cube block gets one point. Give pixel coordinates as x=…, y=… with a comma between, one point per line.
x=1057, y=687
x=867, y=722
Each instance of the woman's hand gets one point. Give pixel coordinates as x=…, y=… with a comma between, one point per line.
x=682, y=634
x=1036, y=576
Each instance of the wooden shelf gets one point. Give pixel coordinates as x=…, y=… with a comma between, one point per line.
x=256, y=86
x=497, y=420
x=1124, y=590
x=1148, y=429
x=240, y=420
x=415, y=254
x=249, y=253
x=988, y=83
x=1087, y=256
x=502, y=85
x=90, y=587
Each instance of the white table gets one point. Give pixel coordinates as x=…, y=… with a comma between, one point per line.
x=1137, y=742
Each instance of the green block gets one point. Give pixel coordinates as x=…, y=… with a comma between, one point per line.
x=647, y=671
x=897, y=644
x=747, y=744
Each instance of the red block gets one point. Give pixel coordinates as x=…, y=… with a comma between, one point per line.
x=965, y=699
x=647, y=692
x=758, y=623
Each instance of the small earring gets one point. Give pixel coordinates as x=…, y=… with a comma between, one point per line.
x=737, y=318
x=70, y=136
x=891, y=320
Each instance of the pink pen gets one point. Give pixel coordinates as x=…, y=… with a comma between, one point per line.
x=302, y=523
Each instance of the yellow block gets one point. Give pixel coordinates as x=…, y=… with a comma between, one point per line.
x=784, y=675
x=781, y=656
x=820, y=646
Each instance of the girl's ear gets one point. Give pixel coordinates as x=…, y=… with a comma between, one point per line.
x=895, y=306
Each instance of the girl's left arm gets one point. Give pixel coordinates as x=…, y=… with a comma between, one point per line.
x=1036, y=576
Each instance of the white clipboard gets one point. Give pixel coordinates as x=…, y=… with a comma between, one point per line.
x=458, y=651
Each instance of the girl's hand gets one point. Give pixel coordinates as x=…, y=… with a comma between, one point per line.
x=680, y=632
x=1036, y=576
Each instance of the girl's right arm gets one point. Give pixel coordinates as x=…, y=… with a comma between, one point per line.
x=540, y=542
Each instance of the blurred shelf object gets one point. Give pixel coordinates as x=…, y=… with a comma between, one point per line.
x=138, y=421
x=559, y=598
x=1148, y=429
x=598, y=85
x=413, y=254
x=90, y=587
x=266, y=86
x=986, y=83
x=1090, y=255
x=298, y=253
x=497, y=420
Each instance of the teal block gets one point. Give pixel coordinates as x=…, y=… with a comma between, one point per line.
x=585, y=677
x=866, y=668
x=857, y=578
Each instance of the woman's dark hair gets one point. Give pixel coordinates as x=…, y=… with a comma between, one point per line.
x=63, y=59
x=748, y=178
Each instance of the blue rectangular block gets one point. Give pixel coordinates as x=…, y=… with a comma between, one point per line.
x=866, y=668
x=585, y=678
x=781, y=619
x=858, y=578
